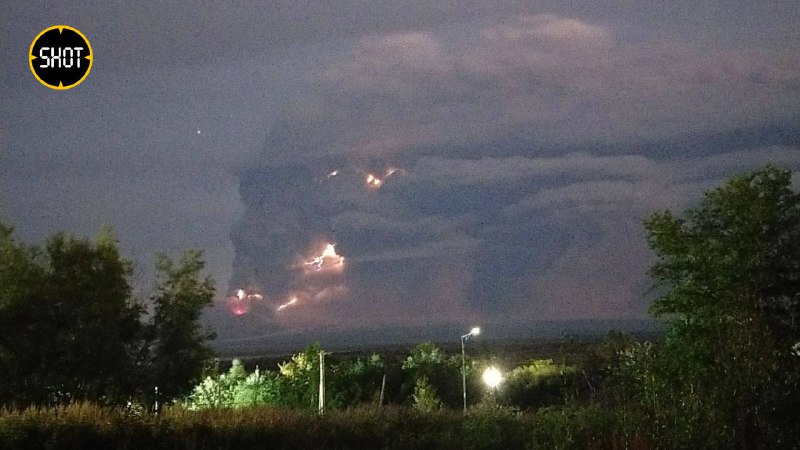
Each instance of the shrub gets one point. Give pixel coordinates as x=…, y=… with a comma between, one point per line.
x=537, y=384
x=425, y=398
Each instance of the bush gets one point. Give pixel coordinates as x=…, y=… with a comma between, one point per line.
x=443, y=373
x=568, y=427
x=537, y=384
x=425, y=398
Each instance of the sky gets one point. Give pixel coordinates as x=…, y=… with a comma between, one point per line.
x=469, y=162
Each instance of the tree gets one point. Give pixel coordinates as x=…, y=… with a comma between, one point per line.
x=441, y=372
x=217, y=391
x=728, y=272
x=70, y=324
x=71, y=328
x=355, y=382
x=424, y=397
x=178, y=349
x=301, y=376
x=536, y=384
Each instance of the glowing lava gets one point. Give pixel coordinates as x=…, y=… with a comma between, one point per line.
x=240, y=309
x=285, y=305
x=239, y=303
x=327, y=259
x=375, y=182
x=238, y=306
x=241, y=294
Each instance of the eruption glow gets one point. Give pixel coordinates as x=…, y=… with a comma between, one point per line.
x=328, y=258
x=240, y=309
x=375, y=182
x=241, y=294
x=285, y=305
x=239, y=303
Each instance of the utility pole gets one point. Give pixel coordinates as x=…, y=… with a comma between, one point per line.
x=321, y=382
x=473, y=332
x=383, y=388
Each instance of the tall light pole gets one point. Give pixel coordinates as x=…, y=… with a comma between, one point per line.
x=473, y=332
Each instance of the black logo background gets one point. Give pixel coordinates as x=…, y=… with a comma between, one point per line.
x=66, y=76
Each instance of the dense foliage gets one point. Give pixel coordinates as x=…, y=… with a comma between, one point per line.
x=433, y=377
x=728, y=272
x=73, y=330
x=179, y=347
x=295, y=384
x=538, y=384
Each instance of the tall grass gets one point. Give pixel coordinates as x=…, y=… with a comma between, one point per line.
x=88, y=426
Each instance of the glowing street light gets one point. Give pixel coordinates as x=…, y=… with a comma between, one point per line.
x=473, y=332
x=492, y=377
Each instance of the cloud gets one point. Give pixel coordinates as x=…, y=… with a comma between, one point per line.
x=596, y=134
x=518, y=168
x=596, y=194
x=451, y=248
x=547, y=237
x=398, y=63
x=534, y=137
x=550, y=29
x=544, y=80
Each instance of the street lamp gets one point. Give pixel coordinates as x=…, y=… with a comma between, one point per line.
x=473, y=332
x=492, y=377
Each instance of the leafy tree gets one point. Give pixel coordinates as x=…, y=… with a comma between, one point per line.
x=218, y=391
x=260, y=388
x=178, y=349
x=356, y=382
x=596, y=365
x=236, y=388
x=301, y=375
x=443, y=373
x=295, y=385
x=71, y=329
x=70, y=326
x=425, y=398
x=536, y=384
x=728, y=272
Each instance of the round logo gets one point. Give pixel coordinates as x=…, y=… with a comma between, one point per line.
x=61, y=57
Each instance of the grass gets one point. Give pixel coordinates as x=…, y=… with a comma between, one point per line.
x=90, y=426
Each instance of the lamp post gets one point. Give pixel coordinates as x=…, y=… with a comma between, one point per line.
x=473, y=332
x=492, y=377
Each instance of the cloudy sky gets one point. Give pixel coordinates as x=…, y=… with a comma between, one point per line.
x=514, y=147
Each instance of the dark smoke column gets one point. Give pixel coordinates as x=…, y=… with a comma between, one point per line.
x=281, y=218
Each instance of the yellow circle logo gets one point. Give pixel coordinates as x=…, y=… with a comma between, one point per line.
x=61, y=57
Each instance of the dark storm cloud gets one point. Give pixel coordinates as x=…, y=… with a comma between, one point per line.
x=549, y=228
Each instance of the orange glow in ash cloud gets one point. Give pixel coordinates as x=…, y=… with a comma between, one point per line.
x=292, y=301
x=375, y=182
x=327, y=260
x=240, y=302
x=236, y=305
